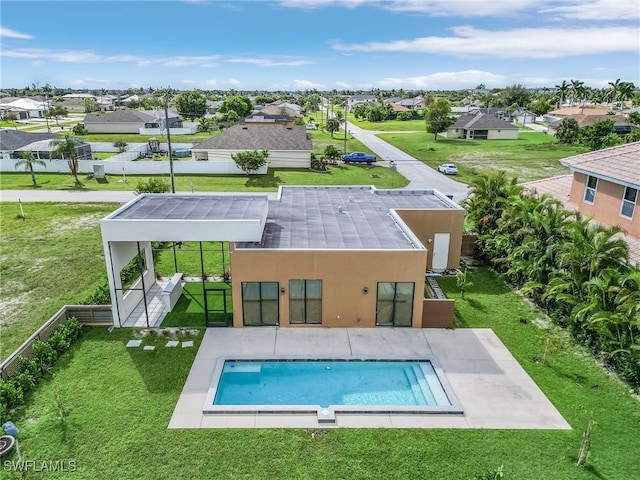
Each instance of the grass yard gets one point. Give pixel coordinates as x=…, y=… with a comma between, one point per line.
x=416, y=125
x=341, y=174
x=533, y=156
x=52, y=258
x=189, y=311
x=137, y=138
x=118, y=402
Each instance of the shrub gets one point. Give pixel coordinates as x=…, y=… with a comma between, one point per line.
x=44, y=355
x=79, y=129
x=152, y=185
x=59, y=341
x=11, y=395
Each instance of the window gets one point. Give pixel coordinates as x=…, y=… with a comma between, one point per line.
x=260, y=304
x=394, y=305
x=629, y=202
x=305, y=301
x=590, y=190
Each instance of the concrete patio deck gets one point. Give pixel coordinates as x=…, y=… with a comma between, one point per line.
x=493, y=389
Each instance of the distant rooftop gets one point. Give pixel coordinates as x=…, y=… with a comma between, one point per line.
x=620, y=164
x=344, y=218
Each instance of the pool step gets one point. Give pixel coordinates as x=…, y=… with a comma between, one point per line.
x=413, y=376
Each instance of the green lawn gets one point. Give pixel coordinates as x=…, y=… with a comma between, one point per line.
x=137, y=138
x=52, y=258
x=533, y=156
x=119, y=401
x=381, y=177
x=417, y=125
x=189, y=311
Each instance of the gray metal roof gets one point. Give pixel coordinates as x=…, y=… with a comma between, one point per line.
x=125, y=115
x=193, y=207
x=343, y=218
x=259, y=137
x=482, y=121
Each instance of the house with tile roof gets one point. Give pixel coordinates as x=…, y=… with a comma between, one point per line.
x=605, y=185
x=482, y=126
x=621, y=124
x=289, y=146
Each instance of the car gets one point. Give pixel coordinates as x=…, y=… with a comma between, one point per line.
x=358, y=157
x=448, y=169
x=311, y=126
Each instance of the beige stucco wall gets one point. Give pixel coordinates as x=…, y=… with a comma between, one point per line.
x=426, y=223
x=606, y=205
x=277, y=158
x=452, y=133
x=502, y=134
x=344, y=275
x=113, y=127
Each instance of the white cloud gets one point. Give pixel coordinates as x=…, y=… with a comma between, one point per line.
x=597, y=10
x=433, y=8
x=81, y=56
x=232, y=82
x=88, y=81
x=446, y=80
x=8, y=33
x=469, y=42
x=343, y=85
x=211, y=83
x=306, y=84
x=263, y=62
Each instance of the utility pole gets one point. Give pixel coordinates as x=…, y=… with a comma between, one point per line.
x=346, y=107
x=166, y=124
x=46, y=111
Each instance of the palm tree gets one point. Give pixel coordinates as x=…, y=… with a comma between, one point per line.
x=562, y=91
x=626, y=91
x=612, y=93
x=332, y=125
x=577, y=90
x=66, y=148
x=28, y=160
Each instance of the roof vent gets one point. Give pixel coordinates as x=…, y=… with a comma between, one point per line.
x=245, y=128
x=351, y=199
x=341, y=209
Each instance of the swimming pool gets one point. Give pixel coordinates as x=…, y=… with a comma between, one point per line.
x=343, y=385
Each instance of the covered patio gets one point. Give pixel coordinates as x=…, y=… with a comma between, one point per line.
x=128, y=234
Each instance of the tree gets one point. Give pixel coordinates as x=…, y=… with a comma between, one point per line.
x=634, y=118
x=540, y=107
x=438, y=117
x=152, y=185
x=120, y=145
x=568, y=130
x=515, y=94
x=90, y=105
x=78, y=129
x=577, y=91
x=205, y=125
x=191, y=105
x=56, y=112
x=250, y=160
x=462, y=282
x=11, y=117
x=332, y=125
x=66, y=148
x=239, y=104
x=562, y=92
x=331, y=153
x=28, y=160
x=596, y=136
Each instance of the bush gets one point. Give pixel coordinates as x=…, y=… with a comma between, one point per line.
x=79, y=129
x=101, y=295
x=13, y=390
x=152, y=185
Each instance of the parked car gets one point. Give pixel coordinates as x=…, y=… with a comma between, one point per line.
x=311, y=126
x=358, y=157
x=448, y=169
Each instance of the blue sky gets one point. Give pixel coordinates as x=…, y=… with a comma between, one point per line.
x=321, y=44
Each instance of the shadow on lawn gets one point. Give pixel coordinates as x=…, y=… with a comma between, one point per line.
x=269, y=180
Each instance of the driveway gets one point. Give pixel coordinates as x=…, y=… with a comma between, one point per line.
x=420, y=176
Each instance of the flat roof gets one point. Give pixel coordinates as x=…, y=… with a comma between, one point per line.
x=184, y=217
x=358, y=217
x=192, y=207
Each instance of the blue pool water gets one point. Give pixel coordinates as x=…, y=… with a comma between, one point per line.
x=325, y=383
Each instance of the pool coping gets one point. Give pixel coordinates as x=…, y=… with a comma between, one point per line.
x=494, y=391
x=327, y=414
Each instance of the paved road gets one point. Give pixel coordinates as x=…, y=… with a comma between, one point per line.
x=65, y=196
x=420, y=175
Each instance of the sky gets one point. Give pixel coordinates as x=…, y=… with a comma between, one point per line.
x=318, y=44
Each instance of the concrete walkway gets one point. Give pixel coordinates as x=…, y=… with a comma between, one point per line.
x=493, y=389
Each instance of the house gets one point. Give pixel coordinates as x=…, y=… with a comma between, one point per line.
x=482, y=126
x=354, y=100
x=262, y=118
x=621, y=124
x=398, y=108
x=321, y=256
x=288, y=146
x=585, y=110
x=25, y=108
x=130, y=121
x=604, y=184
x=416, y=103
x=13, y=141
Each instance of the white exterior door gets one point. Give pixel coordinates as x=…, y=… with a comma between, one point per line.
x=440, y=251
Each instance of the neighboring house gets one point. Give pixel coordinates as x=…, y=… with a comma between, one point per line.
x=42, y=150
x=604, y=184
x=399, y=108
x=320, y=256
x=585, y=110
x=11, y=141
x=621, y=124
x=392, y=100
x=129, y=121
x=282, y=109
x=355, y=100
x=25, y=108
x=289, y=146
x=482, y=126
x=416, y=103
x=262, y=118
x=522, y=116
x=292, y=107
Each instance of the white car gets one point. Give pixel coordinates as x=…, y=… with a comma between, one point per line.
x=448, y=169
x=311, y=126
